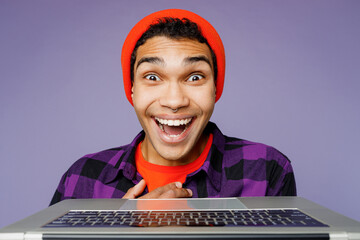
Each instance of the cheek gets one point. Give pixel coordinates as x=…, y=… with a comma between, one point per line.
x=205, y=100
x=209, y=106
x=138, y=100
x=142, y=98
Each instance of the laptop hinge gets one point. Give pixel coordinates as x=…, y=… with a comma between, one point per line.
x=11, y=236
x=185, y=236
x=339, y=236
x=33, y=236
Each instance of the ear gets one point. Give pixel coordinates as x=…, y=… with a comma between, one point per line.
x=132, y=92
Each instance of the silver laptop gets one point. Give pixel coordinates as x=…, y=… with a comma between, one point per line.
x=193, y=218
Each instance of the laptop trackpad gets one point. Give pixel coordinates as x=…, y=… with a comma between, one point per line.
x=183, y=204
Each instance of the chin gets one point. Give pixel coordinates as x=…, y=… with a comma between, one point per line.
x=173, y=156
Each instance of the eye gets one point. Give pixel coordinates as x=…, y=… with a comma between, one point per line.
x=194, y=78
x=152, y=77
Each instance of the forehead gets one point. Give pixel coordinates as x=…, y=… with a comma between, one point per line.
x=160, y=45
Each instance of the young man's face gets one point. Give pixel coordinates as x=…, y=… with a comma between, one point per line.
x=173, y=75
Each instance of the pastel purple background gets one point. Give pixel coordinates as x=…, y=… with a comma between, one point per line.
x=292, y=81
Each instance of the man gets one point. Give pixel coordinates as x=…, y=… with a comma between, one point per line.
x=173, y=64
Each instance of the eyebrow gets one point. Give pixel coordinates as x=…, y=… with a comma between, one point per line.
x=195, y=59
x=154, y=60
x=160, y=61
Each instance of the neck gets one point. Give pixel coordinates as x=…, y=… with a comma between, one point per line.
x=151, y=155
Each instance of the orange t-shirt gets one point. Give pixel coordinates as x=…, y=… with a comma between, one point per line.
x=158, y=175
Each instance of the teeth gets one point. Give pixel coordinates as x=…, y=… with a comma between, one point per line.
x=175, y=135
x=176, y=122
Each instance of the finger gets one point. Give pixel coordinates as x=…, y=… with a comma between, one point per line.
x=136, y=190
x=156, y=193
x=177, y=193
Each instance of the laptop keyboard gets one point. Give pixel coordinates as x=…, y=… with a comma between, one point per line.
x=244, y=218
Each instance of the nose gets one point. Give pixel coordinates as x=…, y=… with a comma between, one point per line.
x=174, y=96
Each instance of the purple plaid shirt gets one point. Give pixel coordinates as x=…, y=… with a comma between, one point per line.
x=233, y=168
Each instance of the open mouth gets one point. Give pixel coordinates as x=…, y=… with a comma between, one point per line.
x=173, y=128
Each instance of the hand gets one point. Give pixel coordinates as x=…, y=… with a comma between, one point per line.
x=171, y=190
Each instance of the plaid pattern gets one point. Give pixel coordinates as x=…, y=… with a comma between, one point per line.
x=233, y=168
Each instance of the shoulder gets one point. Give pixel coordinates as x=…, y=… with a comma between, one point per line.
x=234, y=150
x=237, y=149
x=104, y=165
x=94, y=163
x=113, y=158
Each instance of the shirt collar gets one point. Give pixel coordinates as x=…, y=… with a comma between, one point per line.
x=212, y=165
x=126, y=160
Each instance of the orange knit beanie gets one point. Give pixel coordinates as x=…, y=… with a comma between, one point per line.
x=207, y=30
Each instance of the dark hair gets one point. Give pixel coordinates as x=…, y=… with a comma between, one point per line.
x=173, y=28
